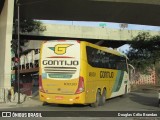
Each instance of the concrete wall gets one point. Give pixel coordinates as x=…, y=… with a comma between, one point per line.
x=57, y=30
x=6, y=22
x=156, y=2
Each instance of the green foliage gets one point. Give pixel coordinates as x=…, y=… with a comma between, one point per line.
x=26, y=26
x=29, y=26
x=144, y=51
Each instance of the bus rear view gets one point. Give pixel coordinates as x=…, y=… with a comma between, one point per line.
x=59, y=80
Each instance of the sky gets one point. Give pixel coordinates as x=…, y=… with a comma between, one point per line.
x=107, y=25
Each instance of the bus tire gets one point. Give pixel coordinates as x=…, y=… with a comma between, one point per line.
x=103, y=97
x=125, y=92
x=98, y=98
x=44, y=103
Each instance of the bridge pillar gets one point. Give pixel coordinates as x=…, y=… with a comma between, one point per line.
x=6, y=24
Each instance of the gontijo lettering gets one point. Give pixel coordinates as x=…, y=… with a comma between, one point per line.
x=106, y=74
x=60, y=62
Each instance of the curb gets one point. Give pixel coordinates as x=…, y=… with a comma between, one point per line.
x=29, y=103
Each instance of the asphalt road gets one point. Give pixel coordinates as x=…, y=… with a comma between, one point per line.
x=135, y=101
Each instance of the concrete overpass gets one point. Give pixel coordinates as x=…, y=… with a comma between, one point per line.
x=57, y=31
x=6, y=23
x=1, y=5
x=122, y=11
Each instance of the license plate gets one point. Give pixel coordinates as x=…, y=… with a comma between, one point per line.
x=59, y=97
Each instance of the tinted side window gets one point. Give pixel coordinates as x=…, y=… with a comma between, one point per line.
x=101, y=59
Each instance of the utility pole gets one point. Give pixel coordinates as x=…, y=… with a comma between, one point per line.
x=18, y=51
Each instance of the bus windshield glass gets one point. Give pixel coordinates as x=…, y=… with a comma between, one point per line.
x=60, y=61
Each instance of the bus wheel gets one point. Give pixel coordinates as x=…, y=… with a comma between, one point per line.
x=103, y=97
x=97, y=102
x=44, y=103
x=125, y=92
x=125, y=89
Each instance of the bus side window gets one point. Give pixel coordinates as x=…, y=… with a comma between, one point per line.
x=98, y=58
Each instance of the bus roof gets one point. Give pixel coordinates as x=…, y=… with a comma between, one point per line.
x=110, y=50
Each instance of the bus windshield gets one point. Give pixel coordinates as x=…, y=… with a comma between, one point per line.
x=60, y=61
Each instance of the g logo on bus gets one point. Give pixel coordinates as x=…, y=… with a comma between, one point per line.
x=60, y=49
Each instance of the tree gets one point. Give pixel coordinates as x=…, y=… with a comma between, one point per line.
x=29, y=26
x=144, y=52
x=26, y=26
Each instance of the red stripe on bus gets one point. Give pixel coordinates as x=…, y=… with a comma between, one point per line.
x=60, y=57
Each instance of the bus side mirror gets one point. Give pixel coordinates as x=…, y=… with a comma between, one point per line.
x=133, y=68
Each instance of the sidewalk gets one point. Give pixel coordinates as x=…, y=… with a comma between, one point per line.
x=146, y=88
x=29, y=102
